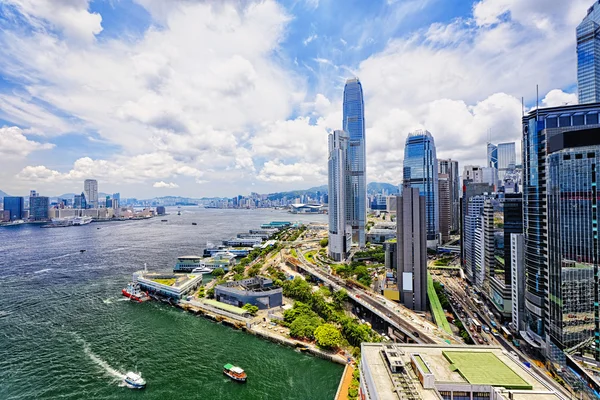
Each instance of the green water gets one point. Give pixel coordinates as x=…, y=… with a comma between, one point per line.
x=65, y=332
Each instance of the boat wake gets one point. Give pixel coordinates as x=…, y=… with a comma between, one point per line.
x=103, y=364
x=41, y=271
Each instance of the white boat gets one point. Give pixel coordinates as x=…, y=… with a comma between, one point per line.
x=77, y=221
x=134, y=380
x=202, y=270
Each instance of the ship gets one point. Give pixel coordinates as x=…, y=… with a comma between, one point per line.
x=235, y=373
x=134, y=381
x=133, y=292
x=77, y=221
x=188, y=263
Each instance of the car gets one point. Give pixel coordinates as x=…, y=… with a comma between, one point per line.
x=416, y=334
x=485, y=340
x=480, y=341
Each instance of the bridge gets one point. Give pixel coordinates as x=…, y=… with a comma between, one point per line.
x=449, y=249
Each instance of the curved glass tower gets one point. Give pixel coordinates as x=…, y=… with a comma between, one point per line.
x=588, y=56
x=420, y=171
x=354, y=124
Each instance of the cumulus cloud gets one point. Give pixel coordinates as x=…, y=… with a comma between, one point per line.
x=166, y=185
x=557, y=97
x=14, y=143
x=277, y=171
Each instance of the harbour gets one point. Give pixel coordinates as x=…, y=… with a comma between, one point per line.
x=66, y=325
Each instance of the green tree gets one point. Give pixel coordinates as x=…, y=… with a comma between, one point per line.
x=298, y=289
x=340, y=297
x=239, y=269
x=304, y=326
x=328, y=336
x=218, y=272
x=252, y=310
x=299, y=309
x=210, y=293
x=324, y=242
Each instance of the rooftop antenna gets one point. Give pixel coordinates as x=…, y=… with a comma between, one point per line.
x=537, y=104
x=522, y=107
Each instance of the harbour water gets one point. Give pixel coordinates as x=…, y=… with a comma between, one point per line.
x=65, y=331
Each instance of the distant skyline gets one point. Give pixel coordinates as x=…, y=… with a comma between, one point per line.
x=119, y=92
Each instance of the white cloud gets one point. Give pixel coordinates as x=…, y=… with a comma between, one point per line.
x=14, y=144
x=557, y=97
x=277, y=171
x=162, y=184
x=310, y=39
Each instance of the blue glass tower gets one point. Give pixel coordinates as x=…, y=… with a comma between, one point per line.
x=16, y=206
x=354, y=124
x=420, y=171
x=588, y=56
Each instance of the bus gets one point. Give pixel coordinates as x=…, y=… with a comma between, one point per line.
x=506, y=333
x=477, y=325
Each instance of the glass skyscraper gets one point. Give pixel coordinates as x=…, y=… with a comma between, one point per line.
x=492, y=156
x=588, y=56
x=340, y=231
x=421, y=171
x=354, y=124
x=16, y=207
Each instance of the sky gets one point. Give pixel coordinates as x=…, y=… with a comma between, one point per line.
x=219, y=98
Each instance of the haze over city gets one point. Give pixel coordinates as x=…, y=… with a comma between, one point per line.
x=201, y=99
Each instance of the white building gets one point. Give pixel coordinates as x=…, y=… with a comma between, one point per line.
x=473, y=173
x=340, y=230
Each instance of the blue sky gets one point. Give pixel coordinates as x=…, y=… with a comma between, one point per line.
x=198, y=98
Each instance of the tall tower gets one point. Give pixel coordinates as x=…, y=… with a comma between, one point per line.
x=588, y=56
x=354, y=124
x=450, y=167
x=90, y=188
x=340, y=232
x=492, y=156
x=411, y=251
x=421, y=172
x=507, y=159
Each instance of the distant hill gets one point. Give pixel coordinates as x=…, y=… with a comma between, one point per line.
x=3, y=194
x=379, y=187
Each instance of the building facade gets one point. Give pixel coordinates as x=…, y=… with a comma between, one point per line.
x=15, y=206
x=492, y=155
x=588, y=56
x=473, y=201
x=507, y=160
x=472, y=173
x=421, y=172
x=38, y=208
x=512, y=209
x=354, y=124
x=517, y=281
x=257, y=291
x=90, y=188
x=340, y=228
x=560, y=158
x=450, y=167
x=445, y=206
x=412, y=248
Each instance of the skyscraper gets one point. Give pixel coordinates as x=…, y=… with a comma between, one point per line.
x=507, y=159
x=492, y=155
x=90, y=188
x=340, y=230
x=354, y=124
x=16, y=207
x=421, y=172
x=450, y=167
x=445, y=206
x=588, y=56
x=38, y=208
x=412, y=248
x=561, y=149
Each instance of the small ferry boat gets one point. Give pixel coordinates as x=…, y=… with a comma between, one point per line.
x=134, y=292
x=194, y=223
x=163, y=220
x=235, y=373
x=178, y=212
x=134, y=381
x=202, y=270
x=82, y=251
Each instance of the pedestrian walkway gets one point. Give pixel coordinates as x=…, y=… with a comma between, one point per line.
x=342, y=392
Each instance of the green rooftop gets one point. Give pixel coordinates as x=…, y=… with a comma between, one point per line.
x=225, y=307
x=485, y=368
x=421, y=363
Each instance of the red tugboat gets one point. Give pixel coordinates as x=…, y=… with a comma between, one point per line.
x=235, y=373
x=134, y=292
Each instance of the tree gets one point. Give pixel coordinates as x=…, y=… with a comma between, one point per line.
x=218, y=272
x=304, y=326
x=328, y=336
x=210, y=293
x=239, y=269
x=340, y=297
x=252, y=310
x=299, y=309
x=324, y=242
x=297, y=289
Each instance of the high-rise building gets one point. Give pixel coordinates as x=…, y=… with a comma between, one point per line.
x=354, y=124
x=507, y=160
x=421, y=172
x=450, y=167
x=16, y=207
x=340, y=230
x=489, y=175
x=412, y=248
x=90, y=188
x=472, y=205
x=38, y=208
x=588, y=56
x=33, y=193
x=492, y=155
x=561, y=149
x=445, y=206
x=512, y=208
x=517, y=280
x=472, y=173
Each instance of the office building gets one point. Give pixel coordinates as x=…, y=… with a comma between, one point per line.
x=492, y=156
x=15, y=206
x=489, y=175
x=38, y=208
x=472, y=173
x=354, y=125
x=421, y=172
x=257, y=291
x=450, y=167
x=517, y=281
x=90, y=188
x=560, y=155
x=588, y=56
x=411, y=236
x=413, y=371
x=507, y=160
x=445, y=206
x=512, y=209
x=33, y=193
x=472, y=207
x=340, y=229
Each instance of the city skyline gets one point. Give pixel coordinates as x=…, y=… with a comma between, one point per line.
x=145, y=133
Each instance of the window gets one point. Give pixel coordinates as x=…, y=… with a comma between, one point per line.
x=565, y=120
x=592, y=119
x=551, y=122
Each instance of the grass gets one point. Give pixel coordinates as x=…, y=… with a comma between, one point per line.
x=485, y=368
x=436, y=307
x=421, y=363
x=167, y=282
x=294, y=253
x=309, y=256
